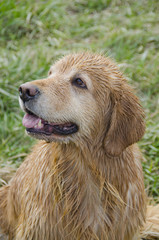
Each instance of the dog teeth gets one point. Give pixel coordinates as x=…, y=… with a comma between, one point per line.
x=39, y=123
x=36, y=126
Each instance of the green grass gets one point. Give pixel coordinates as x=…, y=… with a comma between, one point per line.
x=35, y=33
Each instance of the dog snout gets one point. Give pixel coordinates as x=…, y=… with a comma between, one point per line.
x=28, y=92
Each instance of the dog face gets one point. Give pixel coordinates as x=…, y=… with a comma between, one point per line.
x=84, y=97
x=60, y=106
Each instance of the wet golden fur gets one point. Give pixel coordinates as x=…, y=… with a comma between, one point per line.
x=88, y=185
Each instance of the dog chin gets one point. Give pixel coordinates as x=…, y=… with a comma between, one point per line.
x=50, y=138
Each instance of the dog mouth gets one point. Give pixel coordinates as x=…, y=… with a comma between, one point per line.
x=36, y=125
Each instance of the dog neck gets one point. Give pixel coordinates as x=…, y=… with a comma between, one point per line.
x=92, y=162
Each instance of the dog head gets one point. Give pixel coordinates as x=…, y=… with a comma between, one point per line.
x=84, y=97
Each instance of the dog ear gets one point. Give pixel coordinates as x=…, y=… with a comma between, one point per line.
x=126, y=123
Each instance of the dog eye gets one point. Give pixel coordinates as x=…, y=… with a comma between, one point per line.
x=79, y=83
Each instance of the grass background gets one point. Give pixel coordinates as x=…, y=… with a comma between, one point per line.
x=35, y=33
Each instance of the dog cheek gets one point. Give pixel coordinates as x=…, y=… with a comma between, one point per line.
x=84, y=112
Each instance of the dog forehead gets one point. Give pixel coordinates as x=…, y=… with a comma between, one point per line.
x=74, y=64
x=80, y=60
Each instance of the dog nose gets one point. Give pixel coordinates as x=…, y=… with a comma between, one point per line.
x=28, y=91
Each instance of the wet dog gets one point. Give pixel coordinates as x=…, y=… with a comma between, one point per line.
x=84, y=179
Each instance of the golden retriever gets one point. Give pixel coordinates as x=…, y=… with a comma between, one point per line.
x=84, y=180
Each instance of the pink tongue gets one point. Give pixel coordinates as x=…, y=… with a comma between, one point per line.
x=29, y=121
